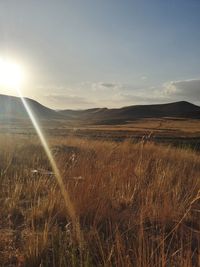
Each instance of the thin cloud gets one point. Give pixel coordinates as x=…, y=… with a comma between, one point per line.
x=143, y=77
x=108, y=94
x=103, y=86
x=109, y=85
x=184, y=89
x=69, y=101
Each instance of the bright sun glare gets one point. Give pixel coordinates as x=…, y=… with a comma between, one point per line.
x=11, y=74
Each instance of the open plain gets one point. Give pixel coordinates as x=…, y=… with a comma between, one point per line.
x=134, y=189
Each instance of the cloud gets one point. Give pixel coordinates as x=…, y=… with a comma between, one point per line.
x=68, y=101
x=109, y=94
x=104, y=86
x=143, y=77
x=109, y=85
x=103, y=94
x=137, y=98
x=183, y=90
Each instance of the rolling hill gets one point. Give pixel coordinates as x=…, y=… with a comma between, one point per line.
x=181, y=109
x=11, y=106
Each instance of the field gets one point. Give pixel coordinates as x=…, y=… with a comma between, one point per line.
x=174, y=131
x=136, y=203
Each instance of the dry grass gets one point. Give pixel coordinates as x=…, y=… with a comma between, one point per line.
x=138, y=204
x=163, y=127
x=160, y=127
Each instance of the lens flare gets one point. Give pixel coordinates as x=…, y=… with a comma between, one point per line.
x=68, y=202
x=11, y=76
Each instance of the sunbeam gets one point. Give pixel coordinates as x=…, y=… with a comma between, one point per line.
x=69, y=205
x=11, y=77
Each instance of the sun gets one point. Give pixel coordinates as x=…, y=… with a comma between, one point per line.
x=11, y=74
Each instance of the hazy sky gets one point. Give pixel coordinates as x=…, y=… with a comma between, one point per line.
x=88, y=53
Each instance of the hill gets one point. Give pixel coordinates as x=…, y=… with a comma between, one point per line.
x=180, y=109
x=12, y=107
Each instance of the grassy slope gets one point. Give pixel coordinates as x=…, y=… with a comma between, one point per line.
x=138, y=204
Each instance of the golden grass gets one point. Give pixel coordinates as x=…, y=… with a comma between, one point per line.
x=138, y=204
x=160, y=127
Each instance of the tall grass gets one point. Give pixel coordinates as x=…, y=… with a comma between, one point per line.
x=138, y=204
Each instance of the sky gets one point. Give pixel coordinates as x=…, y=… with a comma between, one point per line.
x=79, y=54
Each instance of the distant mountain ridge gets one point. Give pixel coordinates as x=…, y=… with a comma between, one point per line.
x=11, y=106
